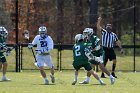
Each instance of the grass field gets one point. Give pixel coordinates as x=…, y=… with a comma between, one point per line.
x=32, y=82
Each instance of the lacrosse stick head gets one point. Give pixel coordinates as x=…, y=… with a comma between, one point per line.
x=26, y=34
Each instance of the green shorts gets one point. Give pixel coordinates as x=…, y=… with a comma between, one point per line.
x=2, y=58
x=86, y=66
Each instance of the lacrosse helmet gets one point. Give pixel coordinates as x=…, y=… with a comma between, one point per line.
x=3, y=32
x=88, y=32
x=42, y=31
x=79, y=37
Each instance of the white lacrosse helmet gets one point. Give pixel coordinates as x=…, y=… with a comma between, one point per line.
x=87, y=32
x=3, y=32
x=79, y=37
x=42, y=31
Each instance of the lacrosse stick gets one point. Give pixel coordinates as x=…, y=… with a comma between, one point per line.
x=26, y=36
x=7, y=50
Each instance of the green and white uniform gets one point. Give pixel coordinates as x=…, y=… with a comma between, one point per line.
x=94, y=42
x=2, y=43
x=79, y=57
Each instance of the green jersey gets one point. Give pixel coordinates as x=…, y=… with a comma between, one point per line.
x=94, y=41
x=2, y=43
x=79, y=57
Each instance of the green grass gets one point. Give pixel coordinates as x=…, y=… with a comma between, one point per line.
x=32, y=82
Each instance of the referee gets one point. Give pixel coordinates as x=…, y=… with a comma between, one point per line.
x=108, y=40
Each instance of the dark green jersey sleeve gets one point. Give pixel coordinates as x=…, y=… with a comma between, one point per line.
x=2, y=43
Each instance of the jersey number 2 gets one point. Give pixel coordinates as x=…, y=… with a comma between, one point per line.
x=43, y=43
x=77, y=51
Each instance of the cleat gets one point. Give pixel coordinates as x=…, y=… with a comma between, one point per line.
x=5, y=79
x=46, y=82
x=112, y=80
x=52, y=78
x=84, y=82
x=102, y=83
x=102, y=75
x=113, y=74
x=74, y=82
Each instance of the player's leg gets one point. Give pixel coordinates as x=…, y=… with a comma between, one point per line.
x=40, y=64
x=89, y=69
x=86, y=81
x=97, y=77
x=113, y=58
x=52, y=74
x=0, y=66
x=4, y=69
x=75, y=77
x=43, y=74
x=105, y=60
x=102, y=74
x=113, y=68
x=48, y=62
x=104, y=69
x=75, y=74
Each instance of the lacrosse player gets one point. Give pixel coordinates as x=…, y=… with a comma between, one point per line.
x=81, y=54
x=3, y=48
x=44, y=45
x=97, y=51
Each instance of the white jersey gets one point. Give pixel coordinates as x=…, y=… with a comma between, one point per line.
x=42, y=43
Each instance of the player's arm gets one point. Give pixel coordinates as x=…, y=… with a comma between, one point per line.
x=90, y=56
x=97, y=44
x=50, y=43
x=99, y=28
x=34, y=42
x=118, y=42
x=3, y=47
x=88, y=53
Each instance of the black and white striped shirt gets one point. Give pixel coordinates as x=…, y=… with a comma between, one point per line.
x=108, y=38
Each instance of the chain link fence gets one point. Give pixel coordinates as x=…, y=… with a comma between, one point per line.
x=64, y=20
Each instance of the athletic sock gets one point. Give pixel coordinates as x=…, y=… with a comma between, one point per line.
x=4, y=76
x=113, y=67
x=111, y=76
x=100, y=80
x=46, y=78
x=87, y=79
x=75, y=77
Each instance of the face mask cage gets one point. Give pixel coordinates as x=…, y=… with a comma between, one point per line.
x=42, y=34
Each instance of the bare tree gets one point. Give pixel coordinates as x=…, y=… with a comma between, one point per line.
x=93, y=4
x=60, y=17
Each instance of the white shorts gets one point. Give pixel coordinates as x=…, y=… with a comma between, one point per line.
x=44, y=61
